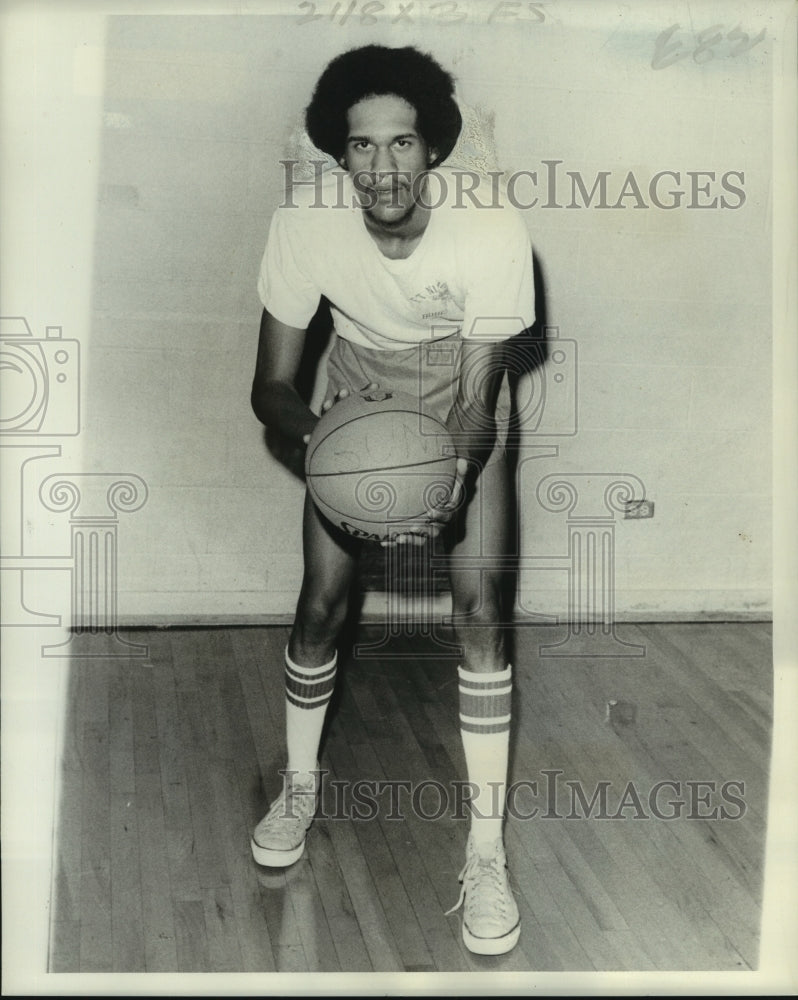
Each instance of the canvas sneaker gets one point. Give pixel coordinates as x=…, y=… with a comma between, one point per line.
x=491, y=923
x=279, y=838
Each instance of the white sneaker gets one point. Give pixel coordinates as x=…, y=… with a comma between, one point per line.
x=491, y=923
x=279, y=838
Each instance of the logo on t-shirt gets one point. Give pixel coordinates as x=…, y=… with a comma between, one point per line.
x=436, y=296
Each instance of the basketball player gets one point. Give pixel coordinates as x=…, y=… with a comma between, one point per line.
x=407, y=271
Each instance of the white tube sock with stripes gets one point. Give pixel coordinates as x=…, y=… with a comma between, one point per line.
x=307, y=694
x=485, y=700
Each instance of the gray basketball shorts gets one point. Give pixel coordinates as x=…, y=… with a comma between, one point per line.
x=429, y=371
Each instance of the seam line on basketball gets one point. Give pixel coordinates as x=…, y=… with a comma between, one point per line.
x=363, y=416
x=395, y=468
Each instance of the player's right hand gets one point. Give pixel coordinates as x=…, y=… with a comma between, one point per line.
x=438, y=516
x=444, y=511
x=330, y=402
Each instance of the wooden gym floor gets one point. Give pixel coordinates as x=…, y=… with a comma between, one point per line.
x=169, y=761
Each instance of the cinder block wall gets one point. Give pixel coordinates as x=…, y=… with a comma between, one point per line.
x=664, y=314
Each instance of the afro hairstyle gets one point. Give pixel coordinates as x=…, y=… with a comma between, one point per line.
x=375, y=70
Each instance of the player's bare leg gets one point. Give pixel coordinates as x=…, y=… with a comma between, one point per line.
x=490, y=921
x=310, y=670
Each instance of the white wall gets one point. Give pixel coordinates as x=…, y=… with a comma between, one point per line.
x=670, y=310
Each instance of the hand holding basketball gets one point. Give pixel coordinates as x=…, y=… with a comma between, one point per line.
x=439, y=515
x=341, y=394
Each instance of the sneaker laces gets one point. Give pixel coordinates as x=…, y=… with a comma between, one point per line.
x=296, y=802
x=483, y=873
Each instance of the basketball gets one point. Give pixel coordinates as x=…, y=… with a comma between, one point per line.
x=374, y=462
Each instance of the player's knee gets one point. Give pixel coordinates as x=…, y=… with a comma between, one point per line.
x=320, y=616
x=483, y=607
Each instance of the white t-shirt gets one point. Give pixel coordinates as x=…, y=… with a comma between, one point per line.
x=471, y=271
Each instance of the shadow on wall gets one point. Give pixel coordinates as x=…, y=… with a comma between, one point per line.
x=527, y=352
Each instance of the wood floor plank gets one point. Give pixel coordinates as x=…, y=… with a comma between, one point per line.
x=758, y=706
x=182, y=860
x=339, y=909
x=277, y=902
x=265, y=708
x=247, y=915
x=572, y=905
x=160, y=948
x=676, y=648
x=536, y=951
x=67, y=848
x=267, y=741
x=206, y=842
x=748, y=660
x=94, y=693
x=633, y=898
x=741, y=840
x=344, y=709
x=364, y=700
x=703, y=729
x=170, y=752
x=64, y=952
x=314, y=929
x=561, y=852
x=270, y=645
x=365, y=899
x=232, y=703
x=291, y=958
x=398, y=909
x=64, y=934
x=95, y=856
x=709, y=886
x=407, y=841
x=120, y=732
x=64, y=938
x=212, y=662
x=257, y=953
x=191, y=936
x=183, y=644
x=763, y=633
x=221, y=928
x=126, y=909
x=96, y=946
x=146, y=755
x=535, y=890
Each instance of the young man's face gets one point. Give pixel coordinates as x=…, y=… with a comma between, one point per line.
x=385, y=155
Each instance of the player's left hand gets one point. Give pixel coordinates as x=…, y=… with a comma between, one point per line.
x=438, y=516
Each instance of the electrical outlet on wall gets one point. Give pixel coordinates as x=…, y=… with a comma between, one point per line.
x=636, y=509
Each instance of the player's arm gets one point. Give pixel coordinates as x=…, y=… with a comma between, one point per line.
x=472, y=418
x=499, y=304
x=274, y=397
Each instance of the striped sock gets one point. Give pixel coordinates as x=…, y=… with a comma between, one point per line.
x=307, y=693
x=485, y=731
